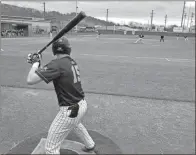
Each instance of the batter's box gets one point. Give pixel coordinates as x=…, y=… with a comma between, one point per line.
x=72, y=145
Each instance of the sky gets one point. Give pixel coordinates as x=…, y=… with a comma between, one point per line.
x=118, y=11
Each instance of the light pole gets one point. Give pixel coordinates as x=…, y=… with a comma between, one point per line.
x=76, y=13
x=152, y=15
x=165, y=21
x=183, y=14
x=0, y=26
x=106, y=18
x=188, y=16
x=184, y=21
x=44, y=9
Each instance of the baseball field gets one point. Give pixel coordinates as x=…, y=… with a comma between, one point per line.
x=142, y=96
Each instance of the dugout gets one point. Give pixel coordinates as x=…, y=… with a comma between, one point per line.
x=17, y=28
x=27, y=26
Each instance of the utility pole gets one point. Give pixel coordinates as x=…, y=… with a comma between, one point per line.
x=183, y=14
x=165, y=20
x=107, y=18
x=184, y=20
x=44, y=9
x=188, y=16
x=76, y=13
x=152, y=15
x=0, y=27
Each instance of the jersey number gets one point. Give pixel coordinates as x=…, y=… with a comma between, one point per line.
x=76, y=73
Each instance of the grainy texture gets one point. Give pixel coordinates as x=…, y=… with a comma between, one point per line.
x=114, y=65
x=109, y=66
x=135, y=125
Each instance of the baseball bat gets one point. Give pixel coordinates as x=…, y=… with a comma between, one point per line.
x=66, y=29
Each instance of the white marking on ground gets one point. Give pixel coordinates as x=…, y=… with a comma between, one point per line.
x=156, y=58
x=173, y=59
x=30, y=92
x=117, y=56
x=155, y=45
x=167, y=59
x=149, y=58
x=116, y=38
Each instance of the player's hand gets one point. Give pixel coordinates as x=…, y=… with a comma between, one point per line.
x=34, y=57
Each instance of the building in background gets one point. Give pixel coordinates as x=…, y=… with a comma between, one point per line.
x=192, y=29
x=177, y=29
x=24, y=26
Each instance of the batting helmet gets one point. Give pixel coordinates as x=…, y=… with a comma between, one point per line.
x=61, y=46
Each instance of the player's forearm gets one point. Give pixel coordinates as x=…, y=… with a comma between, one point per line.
x=32, y=74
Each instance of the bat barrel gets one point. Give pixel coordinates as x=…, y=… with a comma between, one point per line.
x=70, y=25
x=66, y=29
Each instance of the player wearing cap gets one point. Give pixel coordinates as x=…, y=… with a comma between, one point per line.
x=65, y=75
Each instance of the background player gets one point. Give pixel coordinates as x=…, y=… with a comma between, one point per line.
x=64, y=73
x=185, y=37
x=177, y=36
x=141, y=36
x=162, y=38
x=98, y=34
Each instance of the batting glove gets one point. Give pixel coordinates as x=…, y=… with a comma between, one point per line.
x=34, y=57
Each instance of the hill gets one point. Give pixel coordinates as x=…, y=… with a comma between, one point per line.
x=12, y=10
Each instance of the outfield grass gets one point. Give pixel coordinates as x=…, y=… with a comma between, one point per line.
x=114, y=65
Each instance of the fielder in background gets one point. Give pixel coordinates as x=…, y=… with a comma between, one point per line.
x=162, y=38
x=177, y=36
x=65, y=74
x=50, y=34
x=186, y=38
x=98, y=34
x=141, y=36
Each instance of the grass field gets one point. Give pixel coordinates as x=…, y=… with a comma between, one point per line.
x=140, y=95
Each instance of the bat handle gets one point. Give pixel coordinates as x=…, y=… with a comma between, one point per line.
x=40, y=51
x=44, y=48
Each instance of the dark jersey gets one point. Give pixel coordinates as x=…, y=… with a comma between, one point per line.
x=162, y=37
x=141, y=36
x=65, y=75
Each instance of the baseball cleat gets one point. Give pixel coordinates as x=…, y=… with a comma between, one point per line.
x=89, y=150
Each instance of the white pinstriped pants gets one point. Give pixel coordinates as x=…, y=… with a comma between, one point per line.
x=62, y=125
x=140, y=39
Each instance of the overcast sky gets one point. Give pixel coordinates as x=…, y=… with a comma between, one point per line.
x=119, y=11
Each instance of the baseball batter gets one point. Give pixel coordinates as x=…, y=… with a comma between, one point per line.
x=65, y=75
